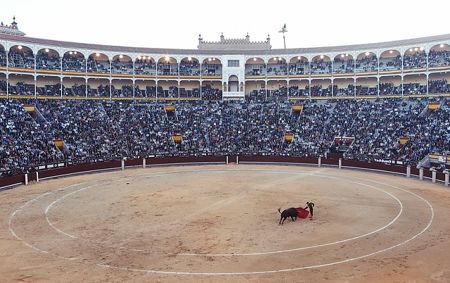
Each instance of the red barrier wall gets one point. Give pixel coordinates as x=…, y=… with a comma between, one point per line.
x=278, y=159
x=11, y=180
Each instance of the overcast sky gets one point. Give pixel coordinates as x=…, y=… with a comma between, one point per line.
x=177, y=23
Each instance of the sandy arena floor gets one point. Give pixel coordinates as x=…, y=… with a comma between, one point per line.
x=220, y=224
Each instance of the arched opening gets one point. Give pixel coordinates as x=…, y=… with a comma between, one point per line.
x=48, y=86
x=299, y=88
x=98, y=63
x=3, y=84
x=415, y=84
x=277, y=90
x=255, y=91
x=211, y=67
x=343, y=64
x=167, y=89
x=211, y=90
x=414, y=58
x=48, y=59
x=122, y=64
x=255, y=67
x=2, y=56
x=21, y=57
x=233, y=83
x=189, y=66
x=321, y=64
x=366, y=62
x=122, y=88
x=390, y=60
x=320, y=88
x=167, y=66
x=74, y=87
x=343, y=87
x=390, y=85
x=21, y=85
x=439, y=83
x=190, y=89
x=145, y=65
x=439, y=56
x=366, y=87
x=74, y=61
x=298, y=65
x=277, y=66
x=145, y=88
x=99, y=88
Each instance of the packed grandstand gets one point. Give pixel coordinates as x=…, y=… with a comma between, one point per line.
x=70, y=103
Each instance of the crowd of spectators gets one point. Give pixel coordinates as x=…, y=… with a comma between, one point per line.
x=211, y=93
x=211, y=69
x=3, y=87
x=255, y=70
x=367, y=63
x=49, y=90
x=366, y=90
x=75, y=90
x=23, y=59
x=342, y=66
x=167, y=69
x=348, y=90
x=299, y=68
x=189, y=68
x=298, y=91
x=390, y=88
x=45, y=61
x=320, y=66
x=438, y=86
x=414, y=88
x=415, y=60
x=26, y=142
x=98, y=66
x=439, y=58
x=144, y=66
x=2, y=57
x=74, y=63
x=95, y=131
x=121, y=67
x=321, y=90
x=391, y=63
x=278, y=69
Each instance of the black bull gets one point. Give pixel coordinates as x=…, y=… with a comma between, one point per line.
x=288, y=212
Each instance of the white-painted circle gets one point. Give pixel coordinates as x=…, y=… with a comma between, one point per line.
x=234, y=254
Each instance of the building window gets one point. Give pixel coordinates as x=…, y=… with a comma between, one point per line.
x=233, y=63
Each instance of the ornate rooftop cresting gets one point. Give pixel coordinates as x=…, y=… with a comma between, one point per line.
x=12, y=29
x=234, y=44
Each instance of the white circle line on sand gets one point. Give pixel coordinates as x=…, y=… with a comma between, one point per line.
x=11, y=217
x=249, y=272
x=319, y=245
x=254, y=253
x=296, y=268
x=56, y=201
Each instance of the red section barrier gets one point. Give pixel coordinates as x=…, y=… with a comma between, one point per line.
x=79, y=168
x=12, y=180
x=278, y=159
x=185, y=159
x=133, y=162
x=375, y=166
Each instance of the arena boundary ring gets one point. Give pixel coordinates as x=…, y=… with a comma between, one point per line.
x=12, y=215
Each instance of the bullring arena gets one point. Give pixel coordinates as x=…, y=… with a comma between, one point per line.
x=219, y=223
x=145, y=164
